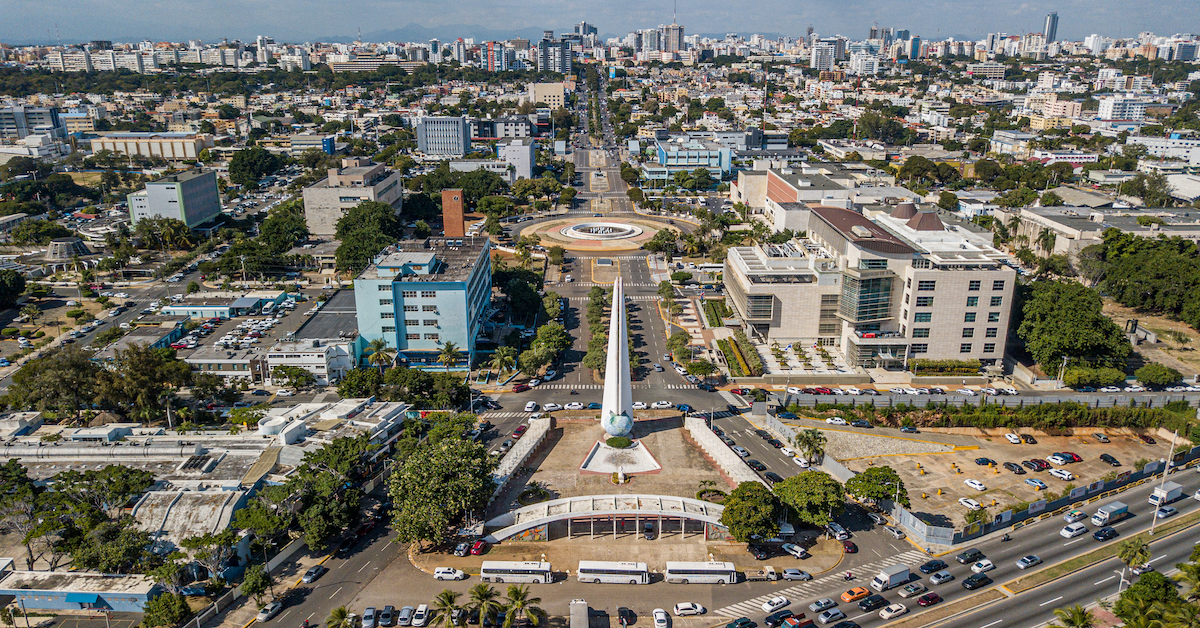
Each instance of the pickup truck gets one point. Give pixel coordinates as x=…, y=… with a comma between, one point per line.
x=766, y=573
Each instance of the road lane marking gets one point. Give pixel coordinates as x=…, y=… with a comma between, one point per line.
x=1051, y=601
x=1103, y=581
x=1070, y=542
x=339, y=590
x=991, y=624
x=1154, y=559
x=365, y=565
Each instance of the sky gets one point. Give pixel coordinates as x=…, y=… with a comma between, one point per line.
x=298, y=21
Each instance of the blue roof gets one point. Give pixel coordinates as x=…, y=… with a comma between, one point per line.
x=82, y=598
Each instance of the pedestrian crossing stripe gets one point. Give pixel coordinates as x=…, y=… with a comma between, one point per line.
x=631, y=298
x=514, y=414
x=592, y=284
x=817, y=587
x=601, y=386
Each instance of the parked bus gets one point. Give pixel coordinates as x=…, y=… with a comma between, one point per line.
x=700, y=573
x=597, y=571
x=506, y=571
x=711, y=268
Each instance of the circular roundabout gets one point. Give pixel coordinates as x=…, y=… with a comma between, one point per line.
x=601, y=231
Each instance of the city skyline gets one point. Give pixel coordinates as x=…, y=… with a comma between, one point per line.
x=74, y=21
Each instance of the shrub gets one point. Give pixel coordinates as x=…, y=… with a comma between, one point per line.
x=752, y=359
x=9, y=331
x=1084, y=376
x=732, y=360
x=39, y=334
x=944, y=367
x=618, y=442
x=1157, y=375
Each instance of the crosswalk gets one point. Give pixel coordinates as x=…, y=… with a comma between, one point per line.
x=644, y=297
x=592, y=284
x=518, y=414
x=804, y=592
x=563, y=386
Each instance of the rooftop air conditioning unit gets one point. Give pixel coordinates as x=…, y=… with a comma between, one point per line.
x=861, y=231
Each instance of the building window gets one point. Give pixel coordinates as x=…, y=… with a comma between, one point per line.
x=921, y=263
x=972, y=301
x=922, y=317
x=920, y=332
x=385, y=288
x=998, y=284
x=829, y=299
x=389, y=330
x=430, y=322
x=387, y=315
x=990, y=333
x=906, y=295
x=431, y=336
x=968, y=317
x=918, y=348
x=385, y=301
x=829, y=328
x=989, y=347
x=993, y=317
x=872, y=264
x=964, y=347
x=410, y=308
x=974, y=285
x=412, y=336
x=904, y=315
x=968, y=332
x=908, y=282
x=926, y=285
x=428, y=294
x=409, y=294
x=428, y=308
x=924, y=301
x=996, y=301
x=411, y=322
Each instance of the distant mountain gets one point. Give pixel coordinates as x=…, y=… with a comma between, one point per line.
x=418, y=32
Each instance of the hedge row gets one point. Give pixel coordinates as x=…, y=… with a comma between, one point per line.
x=944, y=367
x=737, y=366
x=753, y=360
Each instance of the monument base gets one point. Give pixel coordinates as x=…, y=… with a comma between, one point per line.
x=606, y=460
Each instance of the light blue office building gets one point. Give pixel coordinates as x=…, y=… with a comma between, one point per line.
x=418, y=295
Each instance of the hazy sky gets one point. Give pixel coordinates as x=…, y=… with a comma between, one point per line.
x=26, y=21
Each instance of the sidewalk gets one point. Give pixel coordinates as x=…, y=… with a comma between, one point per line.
x=287, y=577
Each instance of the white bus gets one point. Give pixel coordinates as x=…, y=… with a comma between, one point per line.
x=507, y=571
x=711, y=268
x=700, y=573
x=597, y=571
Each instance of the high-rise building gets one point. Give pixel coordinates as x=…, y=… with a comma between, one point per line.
x=823, y=55
x=495, y=59
x=444, y=135
x=903, y=35
x=863, y=64
x=1117, y=108
x=191, y=197
x=583, y=29
x=650, y=40
x=1051, y=28
x=357, y=181
x=554, y=56
x=18, y=121
x=672, y=38
x=263, y=49
x=435, y=51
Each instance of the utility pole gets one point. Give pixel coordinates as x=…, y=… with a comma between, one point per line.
x=1166, y=472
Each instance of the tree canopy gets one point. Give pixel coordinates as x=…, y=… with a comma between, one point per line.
x=751, y=510
x=1064, y=319
x=815, y=497
x=437, y=486
x=364, y=231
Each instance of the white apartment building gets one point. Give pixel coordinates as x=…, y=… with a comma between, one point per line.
x=823, y=56
x=1117, y=108
x=328, y=360
x=863, y=64
x=882, y=291
x=1182, y=148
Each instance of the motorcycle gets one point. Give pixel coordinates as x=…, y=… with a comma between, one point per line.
x=574, y=392
x=1004, y=538
x=849, y=576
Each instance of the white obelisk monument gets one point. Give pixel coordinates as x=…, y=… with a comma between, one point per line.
x=616, y=413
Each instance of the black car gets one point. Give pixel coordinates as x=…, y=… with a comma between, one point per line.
x=758, y=552
x=756, y=465
x=707, y=387
x=983, y=462
x=1014, y=467
x=861, y=423
x=969, y=556
x=1028, y=439
x=775, y=442
x=976, y=581
x=1029, y=465
x=728, y=441
x=845, y=624
x=762, y=434
x=872, y=602
x=1112, y=462
x=933, y=566
x=908, y=429
x=1104, y=534
x=772, y=477
x=776, y=618
x=718, y=431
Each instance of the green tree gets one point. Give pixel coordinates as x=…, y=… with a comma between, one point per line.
x=31, y=312
x=212, y=551
x=519, y=604
x=339, y=618
x=1050, y=199
x=1063, y=318
x=62, y=381
x=443, y=608
x=878, y=483
x=104, y=491
x=193, y=287
x=701, y=368
x=167, y=609
x=815, y=497
x=257, y=582
x=38, y=232
x=811, y=444
x=666, y=290
x=1133, y=552
x=1151, y=589
x=436, y=486
x=12, y=284
x=485, y=600
x=948, y=201
x=449, y=355
x=293, y=376
x=1155, y=374
x=379, y=354
x=364, y=231
x=503, y=360
x=751, y=509
x=358, y=383
x=1074, y=617
x=251, y=164
x=139, y=376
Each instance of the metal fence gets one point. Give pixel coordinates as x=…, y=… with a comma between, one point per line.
x=831, y=466
x=887, y=400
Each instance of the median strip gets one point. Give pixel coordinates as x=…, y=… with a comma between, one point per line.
x=946, y=611
x=1104, y=553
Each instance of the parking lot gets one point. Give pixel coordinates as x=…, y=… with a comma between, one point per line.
x=925, y=475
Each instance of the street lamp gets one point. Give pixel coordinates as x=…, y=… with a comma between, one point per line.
x=1166, y=471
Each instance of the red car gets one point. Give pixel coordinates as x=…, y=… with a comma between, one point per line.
x=740, y=391
x=480, y=547
x=929, y=599
x=1146, y=439
x=849, y=547
x=1073, y=457
x=520, y=387
x=823, y=391
x=520, y=431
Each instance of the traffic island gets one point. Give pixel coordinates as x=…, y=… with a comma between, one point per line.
x=946, y=611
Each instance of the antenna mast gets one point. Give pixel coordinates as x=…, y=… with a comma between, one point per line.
x=675, y=13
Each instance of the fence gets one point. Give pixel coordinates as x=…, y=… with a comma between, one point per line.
x=887, y=400
x=735, y=469
x=831, y=466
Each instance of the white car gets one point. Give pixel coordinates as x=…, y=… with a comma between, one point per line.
x=285, y=393
x=420, y=616
x=1110, y=389
x=269, y=611
x=551, y=407
x=975, y=484
x=1013, y=438
x=775, y=603
x=448, y=573
x=966, y=391
x=787, y=452
x=803, y=464
x=794, y=550
x=1062, y=474
x=893, y=610
x=531, y=406
x=982, y=566
x=1134, y=389
x=534, y=383
x=851, y=390
x=835, y=420
x=968, y=503
x=660, y=618
x=661, y=405
x=793, y=390
x=1073, y=530
x=1057, y=459
x=575, y=405
x=638, y=405
x=684, y=609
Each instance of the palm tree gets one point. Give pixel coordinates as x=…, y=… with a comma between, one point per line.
x=811, y=443
x=379, y=353
x=1180, y=615
x=1189, y=577
x=31, y=312
x=1046, y=240
x=443, y=608
x=338, y=618
x=520, y=603
x=1133, y=552
x=450, y=355
x=505, y=359
x=485, y=600
x=1074, y=617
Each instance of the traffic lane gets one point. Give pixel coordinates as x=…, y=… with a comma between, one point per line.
x=1084, y=587
x=741, y=431
x=349, y=571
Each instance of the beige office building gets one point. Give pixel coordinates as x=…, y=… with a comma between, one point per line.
x=358, y=180
x=553, y=94
x=169, y=146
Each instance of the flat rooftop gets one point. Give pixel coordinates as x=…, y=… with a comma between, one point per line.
x=180, y=177
x=338, y=315
x=75, y=581
x=456, y=259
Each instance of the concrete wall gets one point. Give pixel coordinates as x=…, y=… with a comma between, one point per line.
x=520, y=453
x=728, y=462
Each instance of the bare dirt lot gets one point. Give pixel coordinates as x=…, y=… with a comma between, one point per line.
x=1178, y=344
x=1004, y=489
